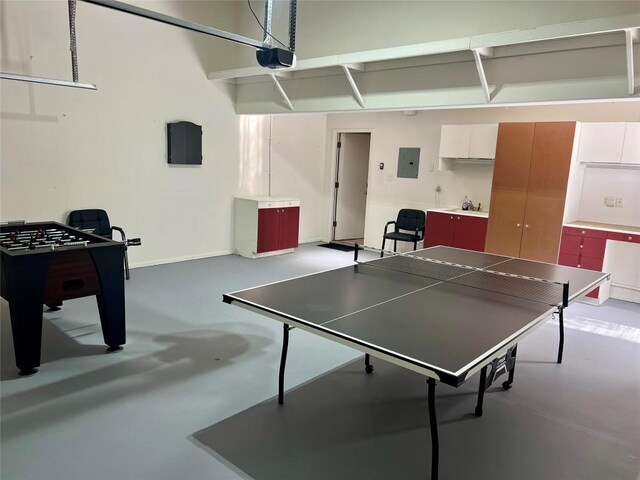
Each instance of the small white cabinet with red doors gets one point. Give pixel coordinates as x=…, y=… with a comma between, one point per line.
x=266, y=226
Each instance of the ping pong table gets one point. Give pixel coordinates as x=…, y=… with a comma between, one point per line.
x=443, y=312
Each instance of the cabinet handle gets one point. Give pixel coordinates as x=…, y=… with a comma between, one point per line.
x=581, y=246
x=583, y=232
x=578, y=265
x=518, y=225
x=526, y=225
x=629, y=238
x=451, y=218
x=458, y=218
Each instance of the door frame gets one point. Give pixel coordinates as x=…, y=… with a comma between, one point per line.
x=334, y=166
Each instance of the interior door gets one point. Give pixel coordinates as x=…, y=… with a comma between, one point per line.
x=509, y=188
x=351, y=192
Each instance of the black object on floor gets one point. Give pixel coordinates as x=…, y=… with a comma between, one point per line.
x=338, y=246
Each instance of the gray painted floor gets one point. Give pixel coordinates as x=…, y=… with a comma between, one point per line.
x=192, y=394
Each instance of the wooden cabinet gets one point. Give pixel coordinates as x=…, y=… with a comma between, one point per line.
x=266, y=226
x=452, y=230
x=611, y=142
x=529, y=188
x=468, y=141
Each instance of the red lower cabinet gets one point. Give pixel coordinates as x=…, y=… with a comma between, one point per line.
x=265, y=225
x=470, y=233
x=277, y=228
x=453, y=230
x=583, y=248
x=439, y=229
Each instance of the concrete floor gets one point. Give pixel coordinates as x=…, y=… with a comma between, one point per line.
x=192, y=394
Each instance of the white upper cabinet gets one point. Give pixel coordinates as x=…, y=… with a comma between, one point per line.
x=631, y=145
x=617, y=142
x=468, y=141
x=483, y=141
x=454, y=141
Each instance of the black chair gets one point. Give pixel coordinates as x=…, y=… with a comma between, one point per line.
x=97, y=221
x=408, y=227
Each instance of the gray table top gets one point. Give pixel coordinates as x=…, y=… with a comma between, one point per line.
x=423, y=323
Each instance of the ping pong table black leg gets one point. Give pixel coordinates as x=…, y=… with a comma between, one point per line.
x=435, y=446
x=283, y=361
x=561, y=344
x=481, y=389
x=367, y=363
x=511, y=366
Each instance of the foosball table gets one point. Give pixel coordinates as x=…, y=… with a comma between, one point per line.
x=47, y=263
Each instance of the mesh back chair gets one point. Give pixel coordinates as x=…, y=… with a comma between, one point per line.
x=98, y=221
x=408, y=227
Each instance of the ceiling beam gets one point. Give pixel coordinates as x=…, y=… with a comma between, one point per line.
x=177, y=22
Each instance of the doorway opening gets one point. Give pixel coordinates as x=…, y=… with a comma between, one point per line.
x=350, y=187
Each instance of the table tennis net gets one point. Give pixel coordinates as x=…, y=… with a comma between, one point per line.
x=539, y=290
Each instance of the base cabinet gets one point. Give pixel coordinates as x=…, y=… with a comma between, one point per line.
x=452, y=230
x=266, y=226
x=617, y=253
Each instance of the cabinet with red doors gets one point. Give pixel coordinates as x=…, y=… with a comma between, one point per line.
x=455, y=230
x=583, y=248
x=266, y=226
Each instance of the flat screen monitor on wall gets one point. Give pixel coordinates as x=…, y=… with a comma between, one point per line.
x=184, y=143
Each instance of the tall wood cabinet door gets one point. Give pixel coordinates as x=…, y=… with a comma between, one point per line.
x=550, y=161
x=509, y=189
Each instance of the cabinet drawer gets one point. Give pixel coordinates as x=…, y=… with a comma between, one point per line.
x=584, y=232
x=570, y=244
x=624, y=237
x=593, y=247
x=589, y=263
x=568, y=260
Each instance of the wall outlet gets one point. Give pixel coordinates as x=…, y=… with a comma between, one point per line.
x=610, y=201
x=618, y=201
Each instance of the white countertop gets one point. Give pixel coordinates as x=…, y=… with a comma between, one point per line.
x=603, y=226
x=459, y=211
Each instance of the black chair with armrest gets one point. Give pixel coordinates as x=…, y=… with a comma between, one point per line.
x=408, y=227
x=97, y=221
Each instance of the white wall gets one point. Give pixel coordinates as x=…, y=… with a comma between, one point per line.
x=284, y=156
x=65, y=149
x=601, y=182
x=391, y=130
